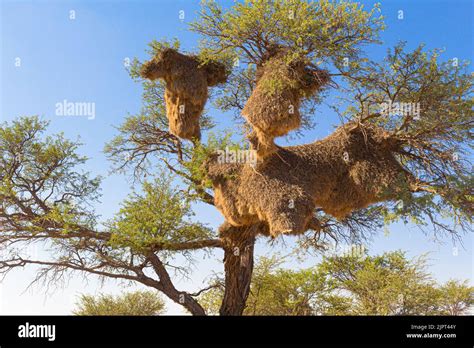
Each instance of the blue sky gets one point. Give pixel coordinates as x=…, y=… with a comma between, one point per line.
x=82, y=59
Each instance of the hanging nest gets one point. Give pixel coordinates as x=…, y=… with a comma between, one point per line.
x=186, y=90
x=273, y=107
x=346, y=171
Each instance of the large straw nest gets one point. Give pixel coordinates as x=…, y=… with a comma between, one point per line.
x=273, y=107
x=346, y=171
x=186, y=92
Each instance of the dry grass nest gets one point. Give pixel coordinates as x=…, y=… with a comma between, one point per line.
x=186, y=92
x=350, y=169
x=273, y=107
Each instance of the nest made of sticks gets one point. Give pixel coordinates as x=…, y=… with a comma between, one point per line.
x=346, y=171
x=273, y=107
x=186, y=91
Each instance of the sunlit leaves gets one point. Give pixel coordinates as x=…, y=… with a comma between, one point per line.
x=387, y=284
x=159, y=216
x=391, y=284
x=132, y=303
x=321, y=30
x=434, y=143
x=40, y=180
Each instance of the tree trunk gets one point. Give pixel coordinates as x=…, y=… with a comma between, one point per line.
x=166, y=286
x=238, y=266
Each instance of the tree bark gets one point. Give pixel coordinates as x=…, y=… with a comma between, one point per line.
x=166, y=286
x=238, y=266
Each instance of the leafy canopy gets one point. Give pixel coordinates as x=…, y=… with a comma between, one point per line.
x=41, y=185
x=434, y=138
x=321, y=30
x=133, y=303
x=387, y=284
x=161, y=215
x=44, y=196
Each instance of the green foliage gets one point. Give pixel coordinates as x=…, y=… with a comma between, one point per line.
x=383, y=285
x=389, y=284
x=138, y=303
x=321, y=30
x=274, y=291
x=443, y=90
x=434, y=144
x=160, y=216
x=281, y=291
x=44, y=197
x=318, y=31
x=40, y=184
x=327, y=32
x=456, y=297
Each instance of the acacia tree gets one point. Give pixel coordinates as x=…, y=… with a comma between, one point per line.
x=274, y=290
x=351, y=284
x=46, y=200
x=135, y=303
